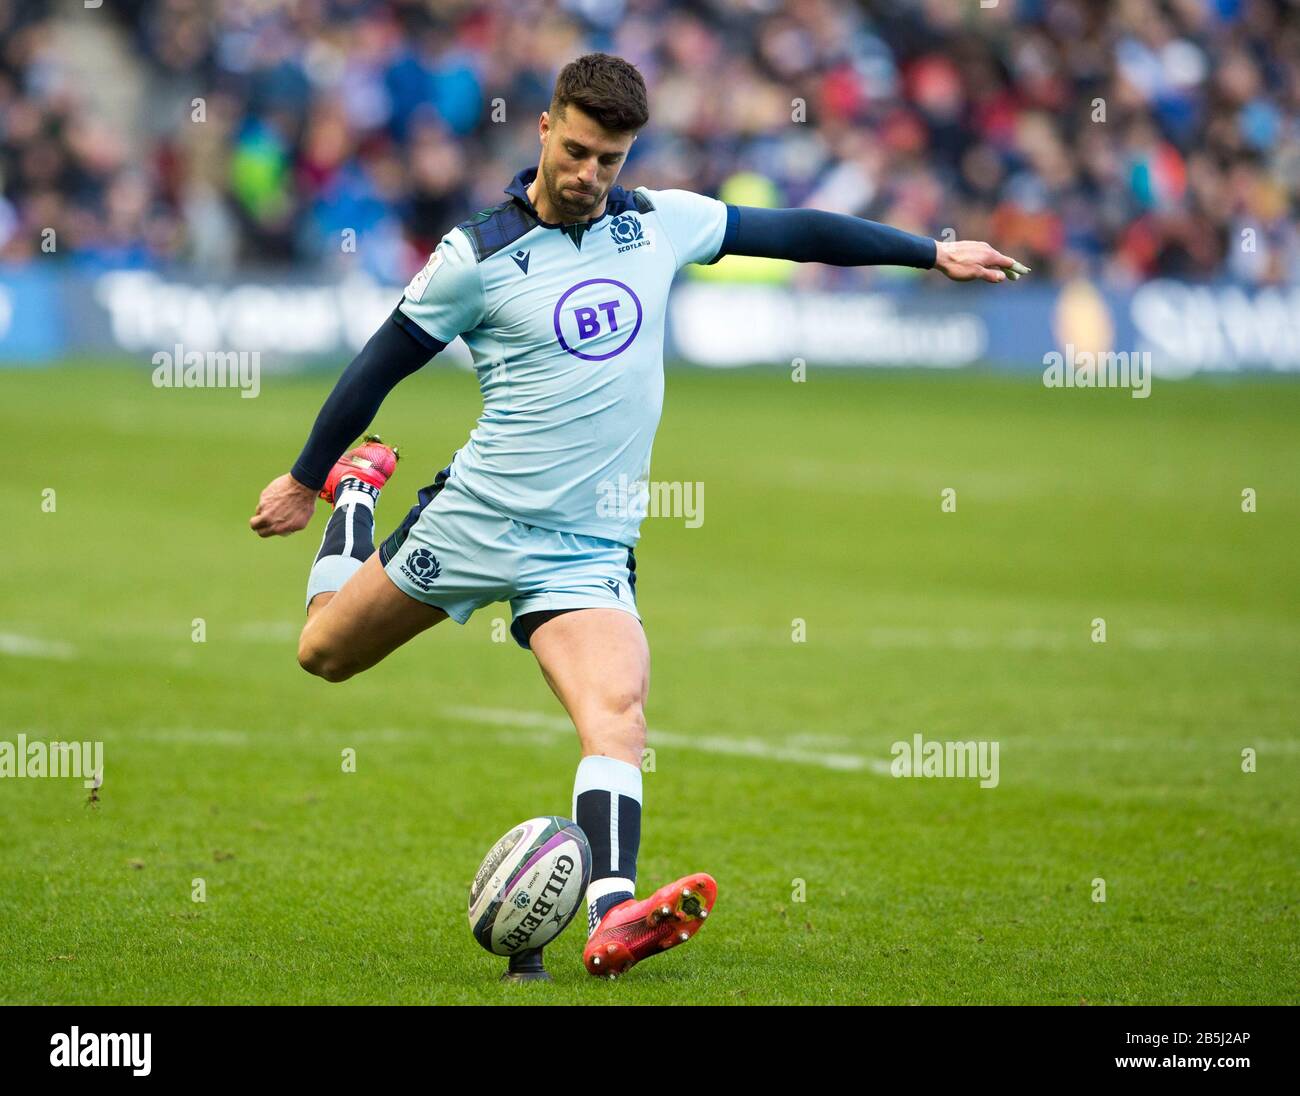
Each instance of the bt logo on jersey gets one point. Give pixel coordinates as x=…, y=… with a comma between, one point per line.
x=597, y=319
x=588, y=325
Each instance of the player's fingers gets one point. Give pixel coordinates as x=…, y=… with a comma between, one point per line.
x=989, y=274
x=996, y=258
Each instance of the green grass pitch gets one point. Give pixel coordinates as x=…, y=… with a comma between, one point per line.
x=1119, y=761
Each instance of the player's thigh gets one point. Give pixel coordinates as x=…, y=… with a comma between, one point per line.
x=597, y=661
x=366, y=620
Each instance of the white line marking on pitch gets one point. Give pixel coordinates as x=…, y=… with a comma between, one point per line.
x=547, y=729
x=27, y=647
x=268, y=631
x=1018, y=639
x=719, y=744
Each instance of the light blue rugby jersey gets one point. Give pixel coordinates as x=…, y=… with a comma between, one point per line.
x=566, y=327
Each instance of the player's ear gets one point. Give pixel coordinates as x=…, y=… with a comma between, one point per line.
x=544, y=125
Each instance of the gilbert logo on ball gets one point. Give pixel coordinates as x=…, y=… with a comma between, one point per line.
x=529, y=885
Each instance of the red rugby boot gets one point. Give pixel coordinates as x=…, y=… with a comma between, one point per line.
x=634, y=930
x=370, y=462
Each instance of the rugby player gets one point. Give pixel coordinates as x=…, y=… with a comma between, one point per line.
x=560, y=293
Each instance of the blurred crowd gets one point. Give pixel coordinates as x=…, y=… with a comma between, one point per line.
x=1120, y=139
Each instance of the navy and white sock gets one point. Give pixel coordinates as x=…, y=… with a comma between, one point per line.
x=349, y=537
x=607, y=807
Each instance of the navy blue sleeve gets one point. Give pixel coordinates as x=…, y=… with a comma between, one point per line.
x=393, y=352
x=815, y=236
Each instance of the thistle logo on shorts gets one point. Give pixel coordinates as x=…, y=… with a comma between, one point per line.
x=597, y=319
x=422, y=567
x=627, y=232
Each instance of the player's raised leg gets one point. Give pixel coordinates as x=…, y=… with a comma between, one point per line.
x=355, y=614
x=597, y=662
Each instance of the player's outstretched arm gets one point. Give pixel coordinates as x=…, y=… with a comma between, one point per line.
x=287, y=503
x=815, y=236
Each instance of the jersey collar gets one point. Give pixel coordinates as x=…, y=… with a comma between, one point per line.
x=615, y=202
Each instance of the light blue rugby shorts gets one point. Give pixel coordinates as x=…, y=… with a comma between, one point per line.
x=455, y=552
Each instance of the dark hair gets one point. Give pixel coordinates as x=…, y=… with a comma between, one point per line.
x=608, y=88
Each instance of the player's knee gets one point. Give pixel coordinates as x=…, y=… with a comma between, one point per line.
x=613, y=725
x=321, y=662
x=627, y=720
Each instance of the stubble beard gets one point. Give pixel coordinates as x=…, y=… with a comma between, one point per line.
x=573, y=208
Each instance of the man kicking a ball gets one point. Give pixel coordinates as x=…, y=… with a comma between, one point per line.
x=560, y=293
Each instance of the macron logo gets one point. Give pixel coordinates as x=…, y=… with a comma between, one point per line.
x=521, y=259
x=90, y=1049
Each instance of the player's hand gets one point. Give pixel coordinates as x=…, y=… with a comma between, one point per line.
x=285, y=507
x=973, y=260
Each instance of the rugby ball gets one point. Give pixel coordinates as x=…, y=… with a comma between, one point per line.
x=529, y=885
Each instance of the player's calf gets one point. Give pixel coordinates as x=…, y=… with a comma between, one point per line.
x=339, y=638
x=353, y=486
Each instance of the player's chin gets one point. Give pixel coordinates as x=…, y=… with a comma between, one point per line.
x=578, y=203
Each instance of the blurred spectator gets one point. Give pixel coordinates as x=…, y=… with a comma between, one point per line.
x=1120, y=140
